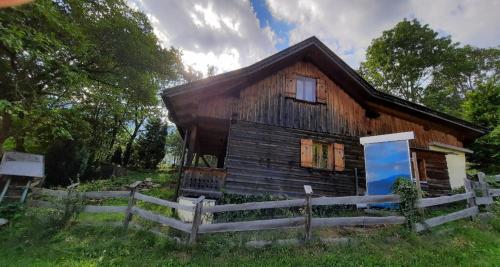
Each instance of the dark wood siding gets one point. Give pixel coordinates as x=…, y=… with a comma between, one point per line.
x=266, y=159
x=265, y=102
x=438, y=181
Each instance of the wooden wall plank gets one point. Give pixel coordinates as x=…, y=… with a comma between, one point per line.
x=269, y=101
x=266, y=159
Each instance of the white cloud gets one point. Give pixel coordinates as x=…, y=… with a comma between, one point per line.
x=467, y=21
x=348, y=26
x=225, y=34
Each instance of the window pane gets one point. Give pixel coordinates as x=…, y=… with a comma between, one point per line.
x=300, y=89
x=310, y=90
x=324, y=156
x=320, y=155
x=316, y=155
x=306, y=89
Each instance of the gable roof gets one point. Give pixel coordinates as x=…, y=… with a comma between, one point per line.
x=313, y=50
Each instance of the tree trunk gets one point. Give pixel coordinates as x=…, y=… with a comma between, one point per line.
x=19, y=143
x=6, y=124
x=114, y=133
x=128, y=148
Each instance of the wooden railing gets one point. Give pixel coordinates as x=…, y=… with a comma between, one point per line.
x=206, y=181
x=307, y=221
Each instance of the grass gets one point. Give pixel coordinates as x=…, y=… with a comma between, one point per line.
x=34, y=239
x=29, y=242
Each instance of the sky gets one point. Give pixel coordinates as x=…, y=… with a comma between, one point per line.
x=230, y=34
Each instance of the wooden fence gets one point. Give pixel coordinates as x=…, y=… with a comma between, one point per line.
x=477, y=193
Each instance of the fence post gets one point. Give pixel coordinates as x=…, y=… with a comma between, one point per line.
x=486, y=199
x=308, y=210
x=68, y=197
x=131, y=203
x=198, y=211
x=471, y=201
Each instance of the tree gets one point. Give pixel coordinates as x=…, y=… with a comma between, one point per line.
x=482, y=106
x=401, y=62
x=79, y=70
x=150, y=147
x=174, y=145
x=462, y=71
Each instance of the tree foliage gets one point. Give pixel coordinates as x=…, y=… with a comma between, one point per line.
x=482, y=106
x=412, y=61
x=404, y=58
x=79, y=71
x=464, y=69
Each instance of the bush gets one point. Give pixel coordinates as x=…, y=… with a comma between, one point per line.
x=66, y=160
x=11, y=211
x=408, y=193
x=262, y=214
x=246, y=215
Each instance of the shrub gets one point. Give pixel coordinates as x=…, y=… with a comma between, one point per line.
x=253, y=214
x=11, y=211
x=408, y=193
x=66, y=160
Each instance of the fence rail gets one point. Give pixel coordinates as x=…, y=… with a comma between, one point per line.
x=307, y=222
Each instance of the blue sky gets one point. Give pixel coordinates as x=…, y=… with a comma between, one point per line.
x=231, y=34
x=280, y=28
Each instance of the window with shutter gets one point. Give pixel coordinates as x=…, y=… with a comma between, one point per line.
x=339, y=157
x=306, y=153
x=320, y=155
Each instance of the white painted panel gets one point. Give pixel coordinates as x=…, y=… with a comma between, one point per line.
x=387, y=138
x=187, y=216
x=22, y=164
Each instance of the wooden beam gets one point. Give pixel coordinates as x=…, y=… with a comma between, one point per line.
x=308, y=209
x=196, y=219
x=192, y=145
x=131, y=203
x=148, y=215
x=181, y=165
x=294, y=222
x=354, y=221
x=432, y=222
x=5, y=188
x=417, y=174
x=162, y=202
x=428, y=202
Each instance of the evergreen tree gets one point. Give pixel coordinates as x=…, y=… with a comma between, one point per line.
x=150, y=147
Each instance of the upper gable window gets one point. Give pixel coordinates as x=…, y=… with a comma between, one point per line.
x=306, y=89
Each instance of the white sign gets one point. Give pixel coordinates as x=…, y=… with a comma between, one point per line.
x=22, y=164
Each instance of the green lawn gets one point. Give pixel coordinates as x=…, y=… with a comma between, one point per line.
x=34, y=238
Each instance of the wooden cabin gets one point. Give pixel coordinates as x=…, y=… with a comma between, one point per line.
x=296, y=118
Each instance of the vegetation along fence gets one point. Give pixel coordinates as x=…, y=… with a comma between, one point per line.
x=477, y=193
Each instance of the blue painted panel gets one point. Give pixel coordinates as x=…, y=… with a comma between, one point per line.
x=385, y=162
